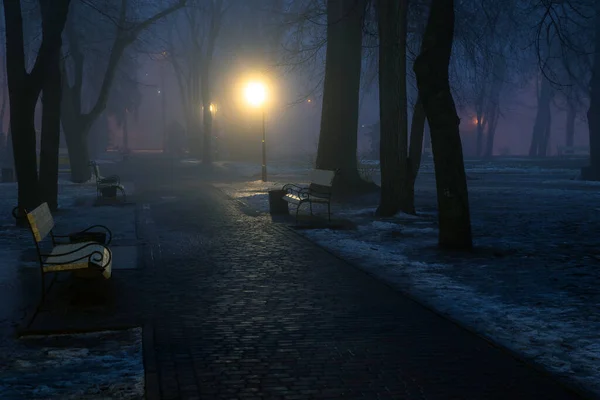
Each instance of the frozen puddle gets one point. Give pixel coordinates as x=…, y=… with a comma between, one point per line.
x=100, y=365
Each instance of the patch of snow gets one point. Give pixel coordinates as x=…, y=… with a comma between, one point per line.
x=100, y=365
x=553, y=334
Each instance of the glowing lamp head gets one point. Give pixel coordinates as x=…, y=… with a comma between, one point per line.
x=212, y=108
x=255, y=94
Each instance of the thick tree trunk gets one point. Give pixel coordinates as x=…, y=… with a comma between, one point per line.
x=50, y=142
x=339, y=121
x=415, y=151
x=431, y=69
x=542, y=119
x=7, y=156
x=571, y=116
x=395, y=194
x=426, y=134
x=545, y=139
x=24, y=149
x=22, y=108
x=76, y=135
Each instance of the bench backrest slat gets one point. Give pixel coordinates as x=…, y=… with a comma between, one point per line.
x=40, y=221
x=322, y=177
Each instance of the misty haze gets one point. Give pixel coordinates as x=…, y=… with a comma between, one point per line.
x=300, y=199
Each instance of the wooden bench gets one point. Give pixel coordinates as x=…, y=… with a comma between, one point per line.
x=572, y=150
x=318, y=191
x=106, y=184
x=85, y=259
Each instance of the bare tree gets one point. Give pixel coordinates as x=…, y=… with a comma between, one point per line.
x=393, y=108
x=339, y=119
x=77, y=122
x=431, y=69
x=24, y=89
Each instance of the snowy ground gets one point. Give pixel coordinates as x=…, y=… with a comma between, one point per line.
x=101, y=365
x=531, y=284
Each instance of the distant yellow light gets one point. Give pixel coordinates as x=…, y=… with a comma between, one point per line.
x=475, y=120
x=309, y=100
x=256, y=93
x=212, y=108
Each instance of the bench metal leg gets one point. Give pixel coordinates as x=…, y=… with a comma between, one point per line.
x=123, y=193
x=297, y=210
x=328, y=211
x=310, y=205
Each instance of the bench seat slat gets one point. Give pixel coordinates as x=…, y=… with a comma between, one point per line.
x=65, y=263
x=291, y=198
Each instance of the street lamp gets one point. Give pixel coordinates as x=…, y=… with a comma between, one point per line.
x=256, y=95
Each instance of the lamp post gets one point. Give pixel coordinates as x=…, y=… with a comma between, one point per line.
x=255, y=95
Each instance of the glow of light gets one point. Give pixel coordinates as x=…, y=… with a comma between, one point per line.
x=158, y=91
x=475, y=120
x=309, y=100
x=212, y=108
x=255, y=93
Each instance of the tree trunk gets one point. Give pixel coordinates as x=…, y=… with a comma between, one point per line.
x=415, y=151
x=480, y=131
x=50, y=142
x=392, y=108
x=194, y=136
x=545, y=139
x=542, y=119
x=493, y=115
x=480, y=123
x=571, y=116
x=593, y=114
x=339, y=121
x=24, y=149
x=207, y=155
x=431, y=70
x=76, y=135
x=426, y=133
x=126, y=131
x=22, y=109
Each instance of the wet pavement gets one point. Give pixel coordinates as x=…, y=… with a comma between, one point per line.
x=236, y=307
x=245, y=309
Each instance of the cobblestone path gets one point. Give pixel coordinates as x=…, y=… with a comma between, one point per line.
x=244, y=309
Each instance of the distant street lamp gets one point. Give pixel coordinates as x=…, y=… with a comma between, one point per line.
x=256, y=95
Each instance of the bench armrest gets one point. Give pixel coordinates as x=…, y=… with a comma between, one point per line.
x=94, y=256
x=108, y=232
x=302, y=192
x=110, y=179
x=293, y=187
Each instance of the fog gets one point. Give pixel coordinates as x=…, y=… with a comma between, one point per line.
x=270, y=39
